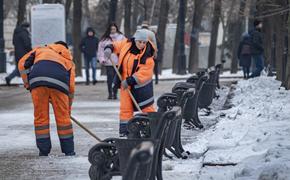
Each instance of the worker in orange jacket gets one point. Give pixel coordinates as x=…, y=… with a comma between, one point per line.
x=49, y=73
x=136, y=66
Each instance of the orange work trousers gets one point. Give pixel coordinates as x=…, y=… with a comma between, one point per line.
x=127, y=106
x=41, y=97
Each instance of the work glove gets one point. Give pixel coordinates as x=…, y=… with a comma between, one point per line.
x=125, y=84
x=107, y=53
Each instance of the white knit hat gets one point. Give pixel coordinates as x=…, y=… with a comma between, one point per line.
x=141, y=35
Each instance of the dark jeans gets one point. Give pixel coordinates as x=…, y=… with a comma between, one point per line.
x=13, y=74
x=110, y=77
x=246, y=71
x=259, y=63
x=90, y=62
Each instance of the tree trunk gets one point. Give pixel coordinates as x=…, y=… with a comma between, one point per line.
x=86, y=13
x=194, y=47
x=179, y=61
x=21, y=11
x=77, y=18
x=161, y=30
x=279, y=48
x=145, y=6
x=237, y=37
x=226, y=26
x=127, y=18
x=152, y=11
x=214, y=33
x=287, y=75
x=119, y=14
x=113, y=11
x=67, y=8
x=136, y=13
x=47, y=1
x=268, y=42
x=58, y=1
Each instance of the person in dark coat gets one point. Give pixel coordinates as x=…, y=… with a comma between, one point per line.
x=244, y=54
x=89, y=46
x=22, y=45
x=257, y=48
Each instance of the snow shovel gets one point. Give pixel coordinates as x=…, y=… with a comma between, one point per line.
x=84, y=128
x=120, y=77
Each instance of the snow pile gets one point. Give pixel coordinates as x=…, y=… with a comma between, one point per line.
x=250, y=142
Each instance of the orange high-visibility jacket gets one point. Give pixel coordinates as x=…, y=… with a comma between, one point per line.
x=137, y=70
x=49, y=66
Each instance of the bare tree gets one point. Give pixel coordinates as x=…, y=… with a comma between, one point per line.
x=119, y=15
x=67, y=8
x=8, y=6
x=225, y=16
x=47, y=1
x=179, y=58
x=77, y=18
x=86, y=13
x=127, y=18
x=113, y=11
x=161, y=30
x=58, y=1
x=136, y=13
x=152, y=11
x=145, y=7
x=214, y=33
x=237, y=34
x=287, y=73
x=21, y=11
x=199, y=6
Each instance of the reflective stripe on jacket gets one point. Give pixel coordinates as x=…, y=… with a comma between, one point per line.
x=52, y=67
x=140, y=67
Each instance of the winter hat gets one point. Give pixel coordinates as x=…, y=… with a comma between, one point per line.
x=90, y=29
x=145, y=24
x=257, y=22
x=25, y=24
x=141, y=35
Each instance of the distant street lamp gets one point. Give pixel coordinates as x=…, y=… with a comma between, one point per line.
x=2, y=42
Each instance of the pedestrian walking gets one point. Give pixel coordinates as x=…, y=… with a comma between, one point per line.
x=89, y=46
x=257, y=49
x=244, y=54
x=22, y=44
x=111, y=35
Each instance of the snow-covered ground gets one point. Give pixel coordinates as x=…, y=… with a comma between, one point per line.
x=248, y=141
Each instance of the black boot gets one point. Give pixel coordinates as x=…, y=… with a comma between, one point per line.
x=7, y=81
x=110, y=96
x=70, y=154
x=43, y=154
x=123, y=130
x=115, y=96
